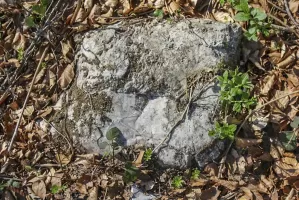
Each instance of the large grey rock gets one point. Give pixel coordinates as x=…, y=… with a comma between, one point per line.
x=132, y=74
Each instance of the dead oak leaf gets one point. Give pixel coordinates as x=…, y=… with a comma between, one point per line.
x=39, y=188
x=66, y=77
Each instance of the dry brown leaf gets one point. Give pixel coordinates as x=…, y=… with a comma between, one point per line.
x=294, y=6
x=199, y=182
x=244, y=142
x=63, y=159
x=93, y=193
x=284, y=170
x=211, y=194
x=15, y=62
x=111, y=3
x=287, y=61
x=290, y=161
x=138, y=161
x=66, y=76
x=19, y=41
x=269, y=82
x=81, y=188
x=212, y=169
x=174, y=7
x=40, y=75
x=247, y=192
x=39, y=188
x=28, y=111
x=223, y=17
x=159, y=4
x=231, y=185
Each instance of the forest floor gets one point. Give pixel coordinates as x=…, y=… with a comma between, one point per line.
x=36, y=67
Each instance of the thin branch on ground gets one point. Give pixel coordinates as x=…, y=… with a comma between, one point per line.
x=26, y=100
x=223, y=160
x=289, y=13
x=283, y=24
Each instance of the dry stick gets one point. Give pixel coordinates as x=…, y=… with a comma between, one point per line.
x=244, y=121
x=289, y=13
x=282, y=23
x=275, y=6
x=27, y=97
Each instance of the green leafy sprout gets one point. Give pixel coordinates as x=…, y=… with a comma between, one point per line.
x=177, y=182
x=223, y=131
x=38, y=13
x=159, y=13
x=235, y=91
x=56, y=189
x=195, y=174
x=255, y=18
x=148, y=154
x=131, y=172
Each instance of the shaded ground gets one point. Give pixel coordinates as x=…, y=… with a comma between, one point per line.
x=36, y=36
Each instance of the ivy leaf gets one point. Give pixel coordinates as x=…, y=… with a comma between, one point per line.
x=29, y=21
x=258, y=14
x=295, y=122
x=113, y=133
x=242, y=17
x=288, y=140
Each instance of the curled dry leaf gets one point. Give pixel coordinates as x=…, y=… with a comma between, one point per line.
x=287, y=61
x=231, y=185
x=39, y=188
x=211, y=193
x=294, y=6
x=223, y=17
x=88, y=4
x=63, y=159
x=174, y=7
x=111, y=3
x=66, y=76
x=268, y=84
x=284, y=170
x=19, y=41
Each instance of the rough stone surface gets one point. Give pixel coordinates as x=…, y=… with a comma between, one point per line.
x=133, y=74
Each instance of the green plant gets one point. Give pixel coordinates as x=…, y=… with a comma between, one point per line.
x=131, y=172
x=177, y=182
x=195, y=174
x=159, y=13
x=55, y=189
x=20, y=54
x=235, y=91
x=38, y=12
x=256, y=19
x=148, y=154
x=289, y=138
x=222, y=2
x=223, y=131
x=10, y=183
x=112, y=145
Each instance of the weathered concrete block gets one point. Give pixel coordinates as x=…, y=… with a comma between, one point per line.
x=134, y=75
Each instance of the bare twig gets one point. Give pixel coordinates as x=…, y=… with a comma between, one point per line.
x=283, y=24
x=289, y=13
x=275, y=6
x=243, y=123
x=27, y=97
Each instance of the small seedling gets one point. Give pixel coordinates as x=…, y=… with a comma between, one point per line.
x=255, y=18
x=223, y=131
x=235, y=91
x=10, y=183
x=289, y=138
x=148, y=154
x=159, y=13
x=56, y=189
x=195, y=174
x=131, y=172
x=38, y=12
x=177, y=182
x=20, y=54
x=112, y=146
